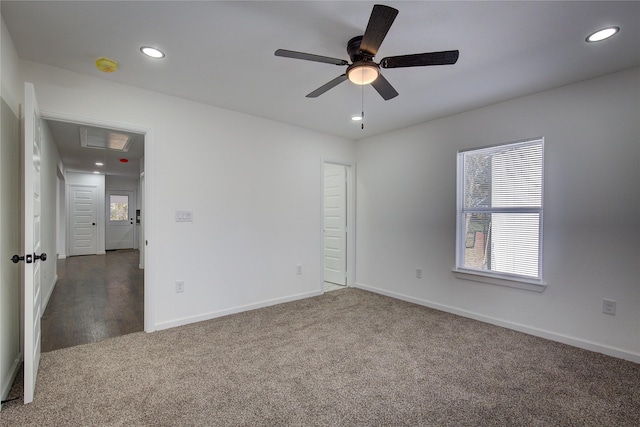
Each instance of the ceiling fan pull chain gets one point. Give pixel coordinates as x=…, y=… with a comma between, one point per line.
x=362, y=105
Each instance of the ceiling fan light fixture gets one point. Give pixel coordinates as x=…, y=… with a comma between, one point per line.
x=363, y=74
x=363, y=49
x=602, y=34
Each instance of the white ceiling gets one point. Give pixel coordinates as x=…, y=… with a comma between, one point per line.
x=222, y=53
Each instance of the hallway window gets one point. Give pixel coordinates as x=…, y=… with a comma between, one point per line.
x=119, y=208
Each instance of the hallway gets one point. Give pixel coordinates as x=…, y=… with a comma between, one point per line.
x=96, y=297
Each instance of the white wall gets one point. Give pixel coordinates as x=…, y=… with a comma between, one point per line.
x=10, y=83
x=407, y=202
x=115, y=182
x=253, y=185
x=89, y=180
x=9, y=245
x=10, y=352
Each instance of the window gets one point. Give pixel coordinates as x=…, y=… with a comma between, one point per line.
x=499, y=218
x=118, y=208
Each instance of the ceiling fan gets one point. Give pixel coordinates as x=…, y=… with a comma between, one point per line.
x=362, y=49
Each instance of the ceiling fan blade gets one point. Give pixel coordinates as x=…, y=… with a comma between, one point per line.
x=379, y=23
x=384, y=88
x=310, y=57
x=447, y=57
x=322, y=89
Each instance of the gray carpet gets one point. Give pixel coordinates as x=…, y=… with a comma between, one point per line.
x=348, y=357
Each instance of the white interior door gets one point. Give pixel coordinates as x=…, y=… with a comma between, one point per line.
x=32, y=244
x=83, y=201
x=120, y=231
x=335, y=223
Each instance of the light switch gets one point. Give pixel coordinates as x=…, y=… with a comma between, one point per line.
x=184, y=216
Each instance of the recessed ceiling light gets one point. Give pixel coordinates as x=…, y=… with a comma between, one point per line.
x=152, y=52
x=356, y=117
x=602, y=34
x=99, y=164
x=96, y=172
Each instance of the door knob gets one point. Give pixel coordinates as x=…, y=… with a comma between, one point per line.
x=27, y=258
x=93, y=223
x=42, y=257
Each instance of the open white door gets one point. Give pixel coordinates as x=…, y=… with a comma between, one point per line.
x=32, y=257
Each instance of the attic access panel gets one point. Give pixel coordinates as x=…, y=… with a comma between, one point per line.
x=103, y=139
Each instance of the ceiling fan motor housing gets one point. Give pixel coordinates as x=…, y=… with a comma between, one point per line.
x=353, y=49
x=362, y=62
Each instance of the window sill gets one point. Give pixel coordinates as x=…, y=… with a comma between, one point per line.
x=518, y=283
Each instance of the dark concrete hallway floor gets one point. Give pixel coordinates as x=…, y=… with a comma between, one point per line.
x=96, y=297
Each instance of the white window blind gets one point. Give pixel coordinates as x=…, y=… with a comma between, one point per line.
x=499, y=221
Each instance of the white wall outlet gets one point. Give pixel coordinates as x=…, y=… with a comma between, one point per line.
x=298, y=269
x=609, y=306
x=418, y=273
x=179, y=286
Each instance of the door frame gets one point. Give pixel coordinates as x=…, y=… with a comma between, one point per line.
x=148, y=192
x=351, y=220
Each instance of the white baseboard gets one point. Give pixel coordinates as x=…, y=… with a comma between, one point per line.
x=553, y=336
x=62, y=256
x=233, y=310
x=8, y=382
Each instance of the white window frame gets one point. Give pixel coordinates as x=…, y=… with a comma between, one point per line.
x=487, y=276
x=108, y=203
